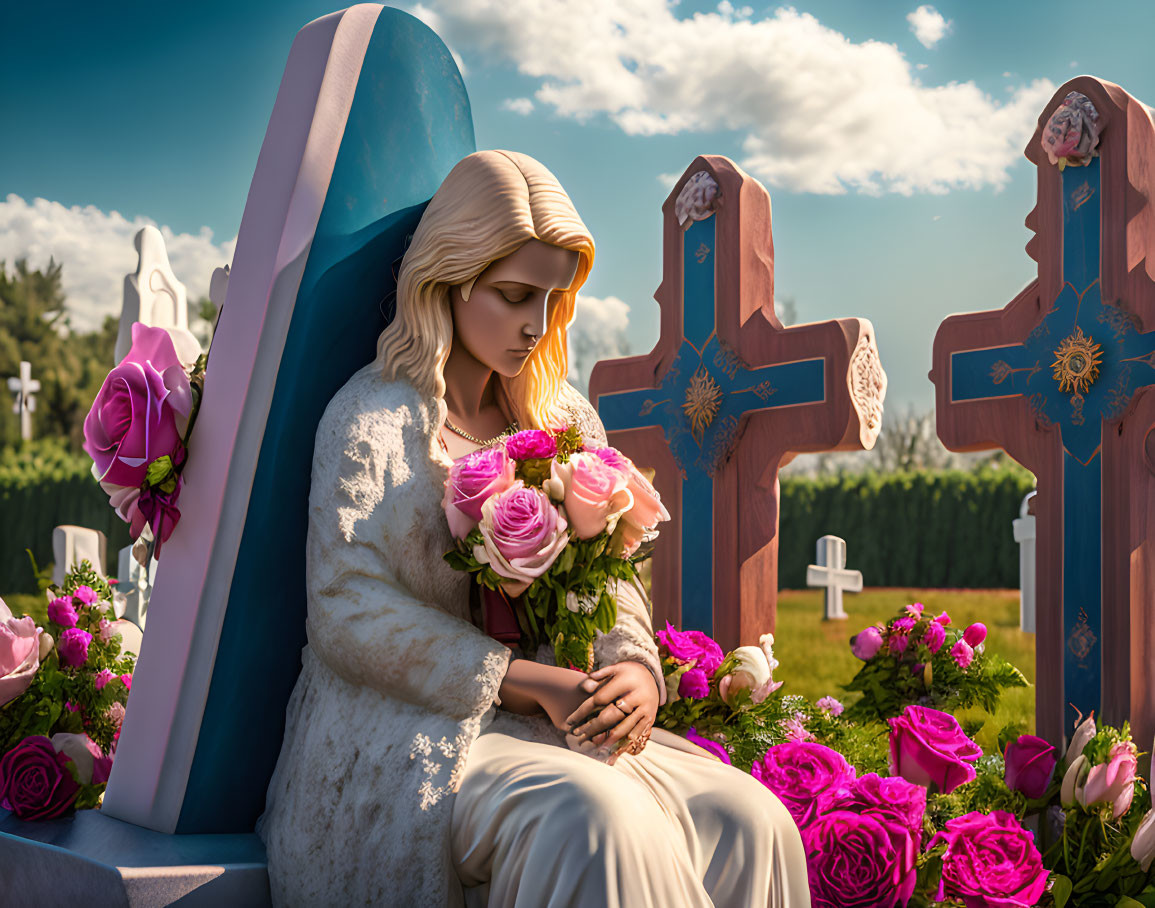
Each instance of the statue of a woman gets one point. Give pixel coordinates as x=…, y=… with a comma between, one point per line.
x=423, y=762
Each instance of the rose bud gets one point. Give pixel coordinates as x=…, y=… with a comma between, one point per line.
x=1030, y=765
x=1113, y=782
x=1073, y=780
x=866, y=643
x=975, y=634
x=1085, y=731
x=1143, y=844
x=752, y=673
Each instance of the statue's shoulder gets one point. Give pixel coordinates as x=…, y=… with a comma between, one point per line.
x=574, y=409
x=381, y=415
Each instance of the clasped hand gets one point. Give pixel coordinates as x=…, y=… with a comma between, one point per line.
x=623, y=703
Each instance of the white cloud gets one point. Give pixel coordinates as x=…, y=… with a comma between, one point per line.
x=97, y=251
x=598, y=332
x=817, y=111
x=928, y=25
x=523, y=106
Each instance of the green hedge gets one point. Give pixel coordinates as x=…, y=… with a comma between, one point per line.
x=44, y=485
x=922, y=528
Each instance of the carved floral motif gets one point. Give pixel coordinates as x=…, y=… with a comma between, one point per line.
x=1077, y=361
x=867, y=385
x=1071, y=135
x=698, y=199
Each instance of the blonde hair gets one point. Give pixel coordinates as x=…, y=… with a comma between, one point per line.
x=491, y=204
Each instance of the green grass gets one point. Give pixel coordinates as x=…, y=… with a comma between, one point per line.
x=815, y=657
x=34, y=604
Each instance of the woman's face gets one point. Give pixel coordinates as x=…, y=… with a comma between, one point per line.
x=508, y=306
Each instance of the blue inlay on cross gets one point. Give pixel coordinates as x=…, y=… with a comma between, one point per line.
x=1078, y=369
x=699, y=405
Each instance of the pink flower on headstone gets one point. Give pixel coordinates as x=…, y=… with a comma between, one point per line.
x=963, y=654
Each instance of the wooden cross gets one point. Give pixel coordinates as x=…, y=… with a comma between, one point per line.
x=831, y=574
x=726, y=397
x=24, y=387
x=1061, y=378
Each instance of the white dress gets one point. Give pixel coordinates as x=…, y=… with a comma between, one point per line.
x=400, y=781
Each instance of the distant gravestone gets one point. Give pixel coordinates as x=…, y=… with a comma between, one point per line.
x=72, y=545
x=831, y=574
x=135, y=582
x=1024, y=527
x=24, y=387
x=153, y=296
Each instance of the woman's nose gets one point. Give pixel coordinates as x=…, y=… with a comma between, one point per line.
x=535, y=327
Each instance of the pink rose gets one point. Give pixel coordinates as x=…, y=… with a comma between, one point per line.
x=140, y=410
x=522, y=534
x=904, y=625
x=126, y=680
x=706, y=744
x=892, y=795
x=473, y=480
x=1030, y=764
x=975, y=634
x=595, y=495
x=101, y=678
x=934, y=636
x=647, y=510
x=73, y=646
x=107, y=630
x=691, y=646
x=831, y=705
x=35, y=783
x=1113, y=782
x=915, y=610
x=87, y=595
x=866, y=643
x=60, y=611
x=806, y=777
x=962, y=654
x=115, y=714
x=531, y=444
x=898, y=643
x=943, y=619
x=990, y=862
x=928, y=746
x=19, y=653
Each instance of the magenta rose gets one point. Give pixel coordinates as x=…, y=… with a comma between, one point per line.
x=140, y=410
x=805, y=776
x=904, y=625
x=934, y=636
x=694, y=684
x=472, y=481
x=866, y=643
x=19, y=653
x=859, y=860
x=891, y=795
x=963, y=654
x=87, y=595
x=73, y=646
x=60, y=611
x=691, y=646
x=531, y=444
x=975, y=633
x=990, y=862
x=928, y=746
x=522, y=533
x=713, y=747
x=1030, y=764
x=35, y=783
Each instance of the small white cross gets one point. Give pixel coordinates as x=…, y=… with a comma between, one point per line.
x=831, y=573
x=24, y=387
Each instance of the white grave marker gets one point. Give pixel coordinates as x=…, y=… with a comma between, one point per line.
x=72, y=545
x=135, y=582
x=831, y=573
x=24, y=388
x=1024, y=528
x=153, y=296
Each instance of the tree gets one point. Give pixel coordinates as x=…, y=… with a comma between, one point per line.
x=70, y=366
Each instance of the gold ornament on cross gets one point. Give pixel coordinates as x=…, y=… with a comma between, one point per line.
x=1077, y=361
x=703, y=400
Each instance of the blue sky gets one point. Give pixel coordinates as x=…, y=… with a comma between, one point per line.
x=895, y=168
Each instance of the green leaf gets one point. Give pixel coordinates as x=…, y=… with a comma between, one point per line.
x=1060, y=889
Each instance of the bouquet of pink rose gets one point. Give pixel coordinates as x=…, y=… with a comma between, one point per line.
x=63, y=691
x=137, y=433
x=543, y=517
x=918, y=657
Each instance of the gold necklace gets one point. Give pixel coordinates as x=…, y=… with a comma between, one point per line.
x=509, y=430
